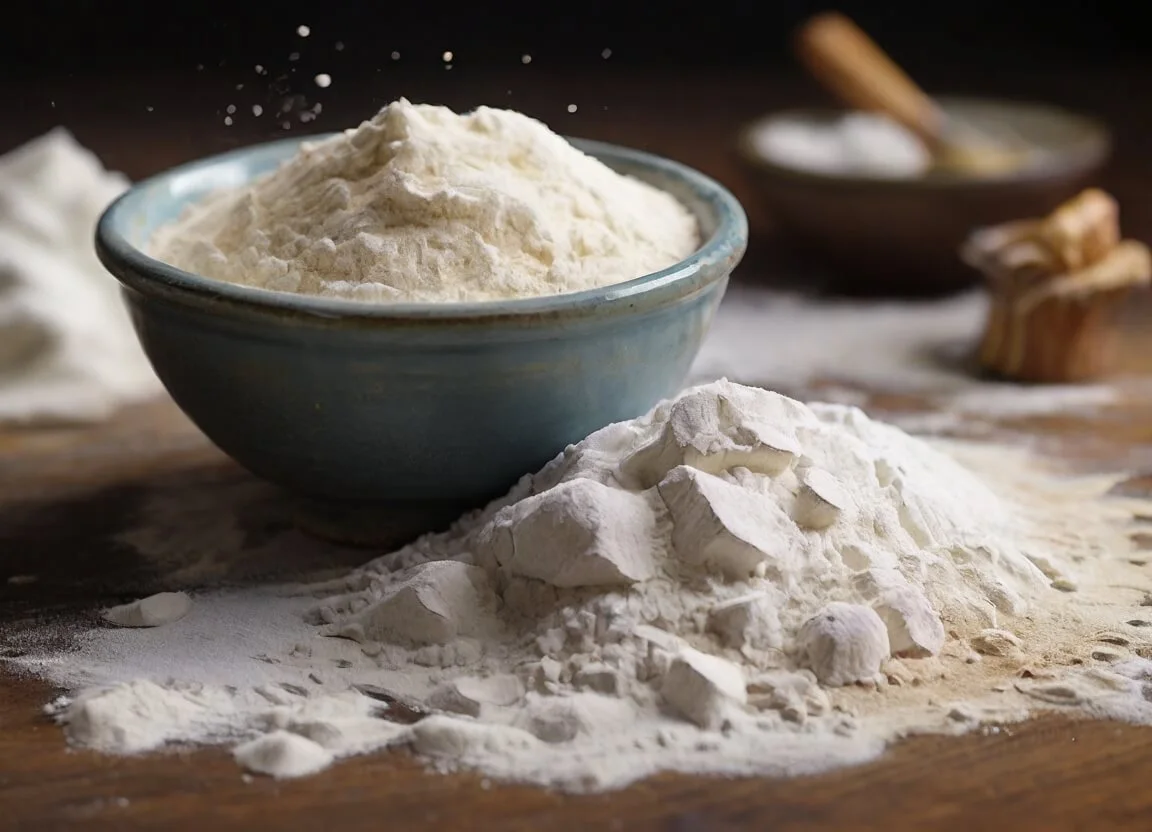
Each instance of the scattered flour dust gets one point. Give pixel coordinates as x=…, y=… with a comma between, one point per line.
x=735, y=583
x=67, y=349
x=422, y=204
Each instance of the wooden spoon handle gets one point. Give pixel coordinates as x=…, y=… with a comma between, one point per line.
x=851, y=66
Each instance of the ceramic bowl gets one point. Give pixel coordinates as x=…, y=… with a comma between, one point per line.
x=877, y=234
x=351, y=403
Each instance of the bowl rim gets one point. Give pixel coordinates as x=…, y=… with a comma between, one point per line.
x=1092, y=150
x=139, y=271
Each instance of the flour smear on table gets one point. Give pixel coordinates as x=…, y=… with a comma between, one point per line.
x=852, y=350
x=67, y=349
x=734, y=583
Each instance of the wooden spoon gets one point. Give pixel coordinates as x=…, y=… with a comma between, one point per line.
x=852, y=67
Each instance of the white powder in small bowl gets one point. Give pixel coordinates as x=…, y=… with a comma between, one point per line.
x=855, y=144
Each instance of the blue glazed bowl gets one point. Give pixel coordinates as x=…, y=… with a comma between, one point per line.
x=353, y=403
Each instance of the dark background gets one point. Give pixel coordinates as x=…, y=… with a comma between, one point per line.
x=55, y=37
x=150, y=85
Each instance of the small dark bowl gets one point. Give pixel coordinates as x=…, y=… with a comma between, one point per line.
x=355, y=404
x=889, y=235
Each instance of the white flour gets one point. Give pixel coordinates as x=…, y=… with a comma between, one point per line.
x=794, y=343
x=735, y=583
x=153, y=611
x=422, y=204
x=853, y=144
x=67, y=349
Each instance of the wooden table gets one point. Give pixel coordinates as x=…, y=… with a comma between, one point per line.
x=65, y=494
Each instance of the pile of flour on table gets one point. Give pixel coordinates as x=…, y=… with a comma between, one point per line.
x=734, y=583
x=422, y=204
x=67, y=349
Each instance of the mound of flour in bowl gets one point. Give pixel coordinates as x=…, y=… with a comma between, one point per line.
x=422, y=204
x=733, y=583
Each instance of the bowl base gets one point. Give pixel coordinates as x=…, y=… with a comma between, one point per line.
x=384, y=526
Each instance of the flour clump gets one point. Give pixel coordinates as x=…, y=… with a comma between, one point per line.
x=283, y=754
x=421, y=204
x=153, y=611
x=844, y=644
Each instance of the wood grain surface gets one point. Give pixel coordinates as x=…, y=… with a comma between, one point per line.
x=67, y=495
